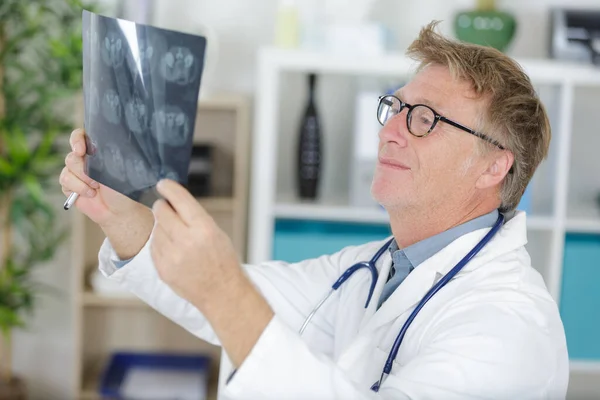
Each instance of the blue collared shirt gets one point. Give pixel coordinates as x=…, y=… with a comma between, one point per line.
x=407, y=259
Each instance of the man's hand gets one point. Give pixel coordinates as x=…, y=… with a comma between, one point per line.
x=198, y=261
x=126, y=223
x=191, y=253
x=100, y=203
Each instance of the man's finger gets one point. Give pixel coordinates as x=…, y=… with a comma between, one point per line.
x=77, y=142
x=76, y=164
x=168, y=220
x=184, y=204
x=70, y=182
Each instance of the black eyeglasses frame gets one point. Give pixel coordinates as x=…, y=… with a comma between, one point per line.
x=438, y=117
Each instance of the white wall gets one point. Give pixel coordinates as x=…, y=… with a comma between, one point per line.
x=243, y=26
x=43, y=354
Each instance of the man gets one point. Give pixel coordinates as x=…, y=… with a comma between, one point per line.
x=459, y=144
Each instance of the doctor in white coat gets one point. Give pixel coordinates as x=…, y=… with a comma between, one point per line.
x=458, y=145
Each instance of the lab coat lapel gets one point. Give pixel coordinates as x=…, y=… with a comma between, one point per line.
x=424, y=276
x=421, y=279
x=405, y=297
x=383, y=267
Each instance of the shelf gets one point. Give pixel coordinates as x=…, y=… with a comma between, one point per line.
x=539, y=223
x=222, y=102
x=584, y=366
x=583, y=218
x=329, y=210
x=89, y=395
x=396, y=64
x=340, y=211
x=91, y=299
x=89, y=390
x=583, y=225
x=217, y=204
x=91, y=382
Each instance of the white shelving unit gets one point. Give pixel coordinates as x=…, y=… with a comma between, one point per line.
x=555, y=213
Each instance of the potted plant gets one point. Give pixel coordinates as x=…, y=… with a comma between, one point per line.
x=40, y=78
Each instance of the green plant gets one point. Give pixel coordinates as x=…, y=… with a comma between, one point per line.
x=40, y=76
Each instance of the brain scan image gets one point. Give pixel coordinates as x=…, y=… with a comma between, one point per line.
x=113, y=161
x=86, y=34
x=113, y=50
x=171, y=126
x=146, y=52
x=141, y=62
x=141, y=85
x=146, y=56
x=136, y=115
x=111, y=107
x=138, y=173
x=92, y=98
x=94, y=41
x=170, y=174
x=178, y=65
x=94, y=159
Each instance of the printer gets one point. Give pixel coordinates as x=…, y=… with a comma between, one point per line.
x=575, y=35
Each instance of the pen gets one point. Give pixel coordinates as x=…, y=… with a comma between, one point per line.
x=71, y=200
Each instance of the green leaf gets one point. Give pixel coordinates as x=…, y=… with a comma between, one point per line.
x=48, y=139
x=17, y=212
x=11, y=44
x=17, y=147
x=58, y=48
x=9, y=319
x=6, y=169
x=34, y=188
x=47, y=167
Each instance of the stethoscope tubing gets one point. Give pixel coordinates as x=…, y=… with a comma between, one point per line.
x=387, y=369
x=314, y=311
x=371, y=266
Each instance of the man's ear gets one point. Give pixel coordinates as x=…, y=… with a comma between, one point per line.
x=500, y=164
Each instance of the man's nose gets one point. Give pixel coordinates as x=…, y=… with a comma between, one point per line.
x=395, y=130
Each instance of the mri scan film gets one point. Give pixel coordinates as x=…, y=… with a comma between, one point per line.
x=140, y=86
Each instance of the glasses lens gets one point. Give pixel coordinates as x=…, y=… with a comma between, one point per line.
x=388, y=107
x=421, y=120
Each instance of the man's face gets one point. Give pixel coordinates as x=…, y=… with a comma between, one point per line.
x=421, y=173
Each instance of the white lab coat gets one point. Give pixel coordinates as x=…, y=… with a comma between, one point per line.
x=493, y=332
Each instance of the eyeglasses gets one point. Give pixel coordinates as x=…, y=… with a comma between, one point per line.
x=421, y=119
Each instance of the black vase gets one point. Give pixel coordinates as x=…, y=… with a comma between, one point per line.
x=309, y=148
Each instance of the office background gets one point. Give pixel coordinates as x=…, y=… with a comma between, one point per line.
x=254, y=93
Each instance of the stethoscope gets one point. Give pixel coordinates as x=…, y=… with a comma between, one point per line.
x=370, y=265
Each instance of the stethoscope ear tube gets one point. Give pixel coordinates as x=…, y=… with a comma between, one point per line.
x=314, y=311
x=370, y=265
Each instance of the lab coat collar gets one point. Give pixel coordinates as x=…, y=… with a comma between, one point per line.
x=512, y=236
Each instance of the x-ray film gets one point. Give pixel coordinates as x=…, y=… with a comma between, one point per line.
x=140, y=86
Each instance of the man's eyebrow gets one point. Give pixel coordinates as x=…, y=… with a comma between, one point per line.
x=420, y=100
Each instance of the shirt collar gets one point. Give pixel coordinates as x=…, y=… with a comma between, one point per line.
x=421, y=251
